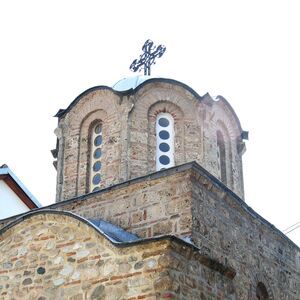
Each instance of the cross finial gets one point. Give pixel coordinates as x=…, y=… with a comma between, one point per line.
x=148, y=57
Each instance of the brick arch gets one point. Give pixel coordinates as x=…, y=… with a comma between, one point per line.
x=72, y=169
x=165, y=106
x=99, y=99
x=84, y=147
x=178, y=116
x=224, y=120
x=232, y=116
x=225, y=114
x=262, y=278
x=183, y=106
x=152, y=93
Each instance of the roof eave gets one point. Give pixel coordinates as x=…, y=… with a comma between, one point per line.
x=7, y=173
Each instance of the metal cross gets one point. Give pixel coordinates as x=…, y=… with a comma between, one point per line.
x=147, y=58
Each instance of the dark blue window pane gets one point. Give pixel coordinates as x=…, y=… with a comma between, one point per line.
x=98, y=129
x=97, y=166
x=164, y=135
x=98, y=140
x=97, y=188
x=164, y=147
x=97, y=153
x=164, y=160
x=96, y=179
x=163, y=122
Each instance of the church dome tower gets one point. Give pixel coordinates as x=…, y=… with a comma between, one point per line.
x=140, y=126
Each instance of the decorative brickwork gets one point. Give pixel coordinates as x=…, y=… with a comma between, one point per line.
x=129, y=141
x=72, y=132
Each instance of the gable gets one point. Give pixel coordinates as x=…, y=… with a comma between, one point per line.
x=10, y=201
x=15, y=198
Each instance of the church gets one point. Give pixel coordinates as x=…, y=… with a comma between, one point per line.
x=149, y=205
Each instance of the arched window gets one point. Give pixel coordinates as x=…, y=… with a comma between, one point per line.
x=164, y=141
x=261, y=292
x=95, y=157
x=221, y=152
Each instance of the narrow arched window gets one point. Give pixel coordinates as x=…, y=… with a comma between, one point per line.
x=221, y=153
x=95, y=157
x=261, y=292
x=164, y=141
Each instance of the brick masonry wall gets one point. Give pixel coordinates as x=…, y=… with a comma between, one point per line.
x=147, y=208
x=195, y=123
x=229, y=231
x=188, y=201
x=129, y=141
x=74, y=151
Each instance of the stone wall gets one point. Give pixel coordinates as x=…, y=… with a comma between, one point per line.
x=159, y=205
x=188, y=201
x=193, y=276
x=129, y=140
x=56, y=256
x=226, y=229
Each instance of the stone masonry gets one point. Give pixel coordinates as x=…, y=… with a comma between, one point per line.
x=196, y=238
x=188, y=202
x=58, y=256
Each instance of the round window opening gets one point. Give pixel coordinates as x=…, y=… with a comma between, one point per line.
x=98, y=129
x=163, y=122
x=97, y=153
x=97, y=188
x=96, y=179
x=164, y=160
x=98, y=140
x=97, y=166
x=164, y=135
x=164, y=147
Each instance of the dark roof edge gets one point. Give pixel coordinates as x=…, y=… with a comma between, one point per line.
x=62, y=112
x=211, y=263
x=167, y=80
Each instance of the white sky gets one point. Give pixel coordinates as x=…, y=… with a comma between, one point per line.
x=246, y=51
